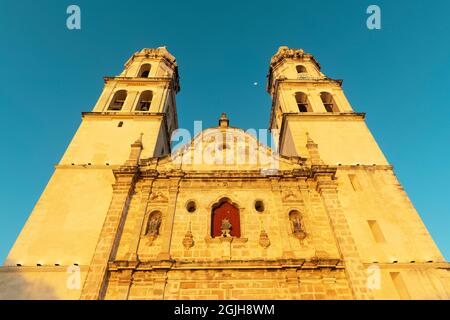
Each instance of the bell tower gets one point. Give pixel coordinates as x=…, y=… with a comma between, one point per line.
x=140, y=100
x=136, y=106
x=310, y=109
x=305, y=100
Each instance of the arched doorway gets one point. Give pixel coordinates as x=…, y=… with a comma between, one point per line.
x=221, y=212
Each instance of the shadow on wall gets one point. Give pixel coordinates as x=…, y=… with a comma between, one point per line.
x=39, y=282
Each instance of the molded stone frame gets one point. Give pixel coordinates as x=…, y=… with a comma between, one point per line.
x=210, y=208
x=186, y=206
x=265, y=211
x=302, y=220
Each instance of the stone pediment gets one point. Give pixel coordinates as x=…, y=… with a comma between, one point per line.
x=225, y=149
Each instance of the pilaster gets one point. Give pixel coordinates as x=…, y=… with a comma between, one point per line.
x=174, y=186
x=327, y=188
x=95, y=284
x=96, y=280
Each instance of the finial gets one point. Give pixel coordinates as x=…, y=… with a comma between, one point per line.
x=138, y=142
x=135, y=152
x=313, y=150
x=223, y=121
x=308, y=138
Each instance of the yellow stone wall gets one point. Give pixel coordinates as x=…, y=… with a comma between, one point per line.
x=64, y=212
x=342, y=139
x=229, y=284
x=274, y=220
x=99, y=140
x=198, y=276
x=37, y=283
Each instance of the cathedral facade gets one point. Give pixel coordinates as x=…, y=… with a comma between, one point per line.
x=319, y=216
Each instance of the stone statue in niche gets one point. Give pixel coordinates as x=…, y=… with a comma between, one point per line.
x=153, y=224
x=296, y=224
x=226, y=228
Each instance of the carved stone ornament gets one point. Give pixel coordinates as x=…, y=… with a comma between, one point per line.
x=226, y=228
x=158, y=197
x=264, y=240
x=286, y=52
x=153, y=224
x=289, y=195
x=188, y=240
x=300, y=234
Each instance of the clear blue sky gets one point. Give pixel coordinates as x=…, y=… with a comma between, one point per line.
x=398, y=75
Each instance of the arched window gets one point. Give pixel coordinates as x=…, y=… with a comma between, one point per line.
x=328, y=102
x=302, y=102
x=225, y=220
x=153, y=224
x=118, y=100
x=301, y=69
x=145, y=100
x=295, y=219
x=144, y=71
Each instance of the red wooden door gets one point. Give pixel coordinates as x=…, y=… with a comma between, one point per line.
x=226, y=211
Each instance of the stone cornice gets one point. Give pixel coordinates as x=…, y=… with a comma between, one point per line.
x=227, y=174
x=278, y=82
x=323, y=170
x=326, y=115
x=44, y=268
x=126, y=170
x=123, y=115
x=409, y=265
x=365, y=167
x=173, y=83
x=226, y=264
x=137, y=79
x=86, y=166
